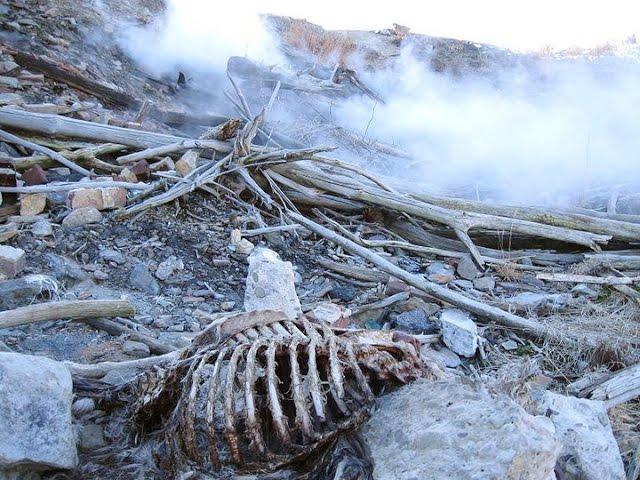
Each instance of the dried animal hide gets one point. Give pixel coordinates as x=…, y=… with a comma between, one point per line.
x=257, y=392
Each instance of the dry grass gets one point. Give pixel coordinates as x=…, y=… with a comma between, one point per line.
x=508, y=272
x=327, y=47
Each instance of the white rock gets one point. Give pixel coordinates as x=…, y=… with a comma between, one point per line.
x=589, y=450
x=166, y=268
x=270, y=284
x=35, y=413
x=12, y=261
x=459, y=332
x=449, y=430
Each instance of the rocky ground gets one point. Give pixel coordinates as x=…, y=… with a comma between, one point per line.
x=504, y=405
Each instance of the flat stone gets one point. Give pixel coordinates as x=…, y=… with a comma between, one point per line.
x=113, y=197
x=270, y=284
x=12, y=261
x=85, y=198
x=459, y=332
x=444, y=357
x=141, y=279
x=136, y=349
x=467, y=268
x=533, y=300
x=415, y=321
x=33, y=204
x=110, y=255
x=81, y=217
x=42, y=228
x=35, y=413
x=484, y=284
x=449, y=430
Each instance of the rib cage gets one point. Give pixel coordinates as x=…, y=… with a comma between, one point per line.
x=256, y=391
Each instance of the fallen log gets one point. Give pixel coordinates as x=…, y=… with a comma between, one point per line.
x=72, y=310
x=613, y=389
x=56, y=125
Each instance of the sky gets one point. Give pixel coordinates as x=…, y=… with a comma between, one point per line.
x=516, y=24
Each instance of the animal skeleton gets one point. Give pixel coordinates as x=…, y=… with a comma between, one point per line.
x=258, y=391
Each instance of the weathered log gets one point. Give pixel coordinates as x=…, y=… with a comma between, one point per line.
x=70, y=127
x=73, y=310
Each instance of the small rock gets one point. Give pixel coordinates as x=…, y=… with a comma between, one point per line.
x=141, y=279
x=24, y=290
x=166, y=268
x=81, y=217
x=415, y=321
x=484, y=284
x=589, y=449
x=584, y=289
x=467, y=268
x=459, y=332
x=65, y=268
x=127, y=175
x=443, y=357
x=244, y=247
x=12, y=261
x=532, y=300
x=113, y=197
x=187, y=162
x=270, y=284
x=35, y=176
x=100, y=275
x=346, y=293
x=42, y=228
x=327, y=312
x=110, y=255
x=509, y=345
x=35, y=413
x=118, y=376
x=227, y=306
x=136, y=349
x=33, y=204
x=441, y=273
x=141, y=170
x=91, y=437
x=464, y=284
x=82, y=406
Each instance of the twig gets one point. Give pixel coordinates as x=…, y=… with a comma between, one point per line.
x=572, y=278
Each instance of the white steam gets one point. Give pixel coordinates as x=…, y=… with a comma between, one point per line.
x=548, y=140
x=521, y=136
x=200, y=35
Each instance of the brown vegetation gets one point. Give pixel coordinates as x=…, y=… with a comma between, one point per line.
x=327, y=47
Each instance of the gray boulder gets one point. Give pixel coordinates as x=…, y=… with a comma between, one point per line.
x=35, y=414
x=270, y=284
x=141, y=279
x=589, y=450
x=450, y=430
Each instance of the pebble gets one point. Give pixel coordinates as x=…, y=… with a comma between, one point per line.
x=168, y=267
x=110, y=255
x=509, y=345
x=12, y=261
x=484, y=284
x=467, y=268
x=82, y=406
x=42, y=228
x=141, y=279
x=415, y=321
x=346, y=293
x=136, y=349
x=81, y=217
x=459, y=332
x=91, y=437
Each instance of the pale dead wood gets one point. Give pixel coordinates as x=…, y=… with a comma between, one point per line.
x=489, y=312
x=73, y=310
x=616, y=388
x=99, y=370
x=67, y=186
x=171, y=148
x=8, y=137
x=573, y=278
